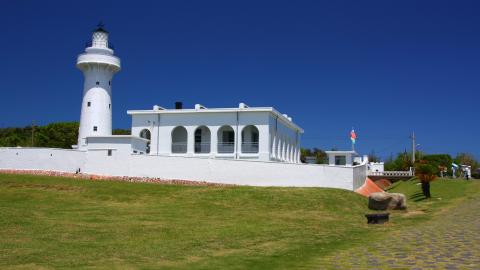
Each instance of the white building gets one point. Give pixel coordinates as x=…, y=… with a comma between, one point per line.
x=345, y=158
x=243, y=145
x=260, y=133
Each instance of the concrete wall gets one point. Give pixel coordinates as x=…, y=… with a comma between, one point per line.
x=240, y=172
x=359, y=175
x=49, y=159
x=255, y=173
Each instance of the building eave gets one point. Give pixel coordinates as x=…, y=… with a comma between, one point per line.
x=220, y=110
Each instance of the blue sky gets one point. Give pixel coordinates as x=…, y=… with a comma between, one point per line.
x=386, y=68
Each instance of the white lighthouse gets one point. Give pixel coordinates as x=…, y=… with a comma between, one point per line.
x=98, y=65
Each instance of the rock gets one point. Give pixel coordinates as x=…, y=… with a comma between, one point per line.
x=385, y=200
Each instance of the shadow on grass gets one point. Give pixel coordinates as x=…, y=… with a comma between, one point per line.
x=417, y=197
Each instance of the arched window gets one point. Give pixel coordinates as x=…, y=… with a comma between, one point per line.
x=226, y=140
x=202, y=140
x=179, y=140
x=250, y=138
x=145, y=133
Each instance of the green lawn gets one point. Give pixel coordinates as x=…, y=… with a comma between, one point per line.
x=53, y=222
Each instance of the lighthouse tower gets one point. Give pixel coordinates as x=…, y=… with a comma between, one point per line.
x=98, y=65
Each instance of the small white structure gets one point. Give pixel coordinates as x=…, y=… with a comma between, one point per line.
x=376, y=167
x=118, y=143
x=244, y=145
x=341, y=158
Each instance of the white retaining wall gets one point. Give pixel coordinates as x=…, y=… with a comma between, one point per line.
x=359, y=175
x=254, y=173
x=48, y=159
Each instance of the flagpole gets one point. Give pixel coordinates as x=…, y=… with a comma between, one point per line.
x=353, y=137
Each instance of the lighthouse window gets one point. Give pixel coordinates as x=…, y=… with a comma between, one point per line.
x=95, y=128
x=89, y=104
x=109, y=106
x=98, y=83
x=109, y=83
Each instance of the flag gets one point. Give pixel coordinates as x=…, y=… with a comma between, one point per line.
x=353, y=136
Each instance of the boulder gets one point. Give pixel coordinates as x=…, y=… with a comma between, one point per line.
x=385, y=200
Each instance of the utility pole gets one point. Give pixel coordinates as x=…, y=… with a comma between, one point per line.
x=33, y=133
x=414, y=147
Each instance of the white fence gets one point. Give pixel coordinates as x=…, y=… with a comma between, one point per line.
x=392, y=173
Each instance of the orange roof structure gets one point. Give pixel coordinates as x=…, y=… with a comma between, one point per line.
x=368, y=187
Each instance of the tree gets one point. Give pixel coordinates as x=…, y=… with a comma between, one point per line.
x=320, y=155
x=467, y=159
x=440, y=161
x=372, y=157
x=55, y=135
x=403, y=162
x=426, y=173
x=119, y=131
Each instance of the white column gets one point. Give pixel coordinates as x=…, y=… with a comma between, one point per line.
x=279, y=150
x=263, y=143
x=238, y=140
x=190, y=140
x=214, y=140
x=290, y=152
x=287, y=151
x=290, y=146
x=273, y=153
x=277, y=147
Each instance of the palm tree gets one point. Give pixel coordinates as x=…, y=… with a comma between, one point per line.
x=426, y=173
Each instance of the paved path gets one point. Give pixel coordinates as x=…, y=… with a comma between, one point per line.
x=448, y=241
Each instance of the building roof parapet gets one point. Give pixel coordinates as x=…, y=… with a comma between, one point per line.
x=287, y=120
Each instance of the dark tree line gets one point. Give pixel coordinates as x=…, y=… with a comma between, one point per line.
x=319, y=155
x=55, y=135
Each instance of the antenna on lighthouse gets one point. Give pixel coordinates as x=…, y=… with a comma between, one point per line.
x=101, y=27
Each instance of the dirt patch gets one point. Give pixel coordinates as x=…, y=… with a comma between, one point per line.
x=92, y=177
x=44, y=187
x=413, y=213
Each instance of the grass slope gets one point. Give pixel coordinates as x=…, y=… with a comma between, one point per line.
x=64, y=223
